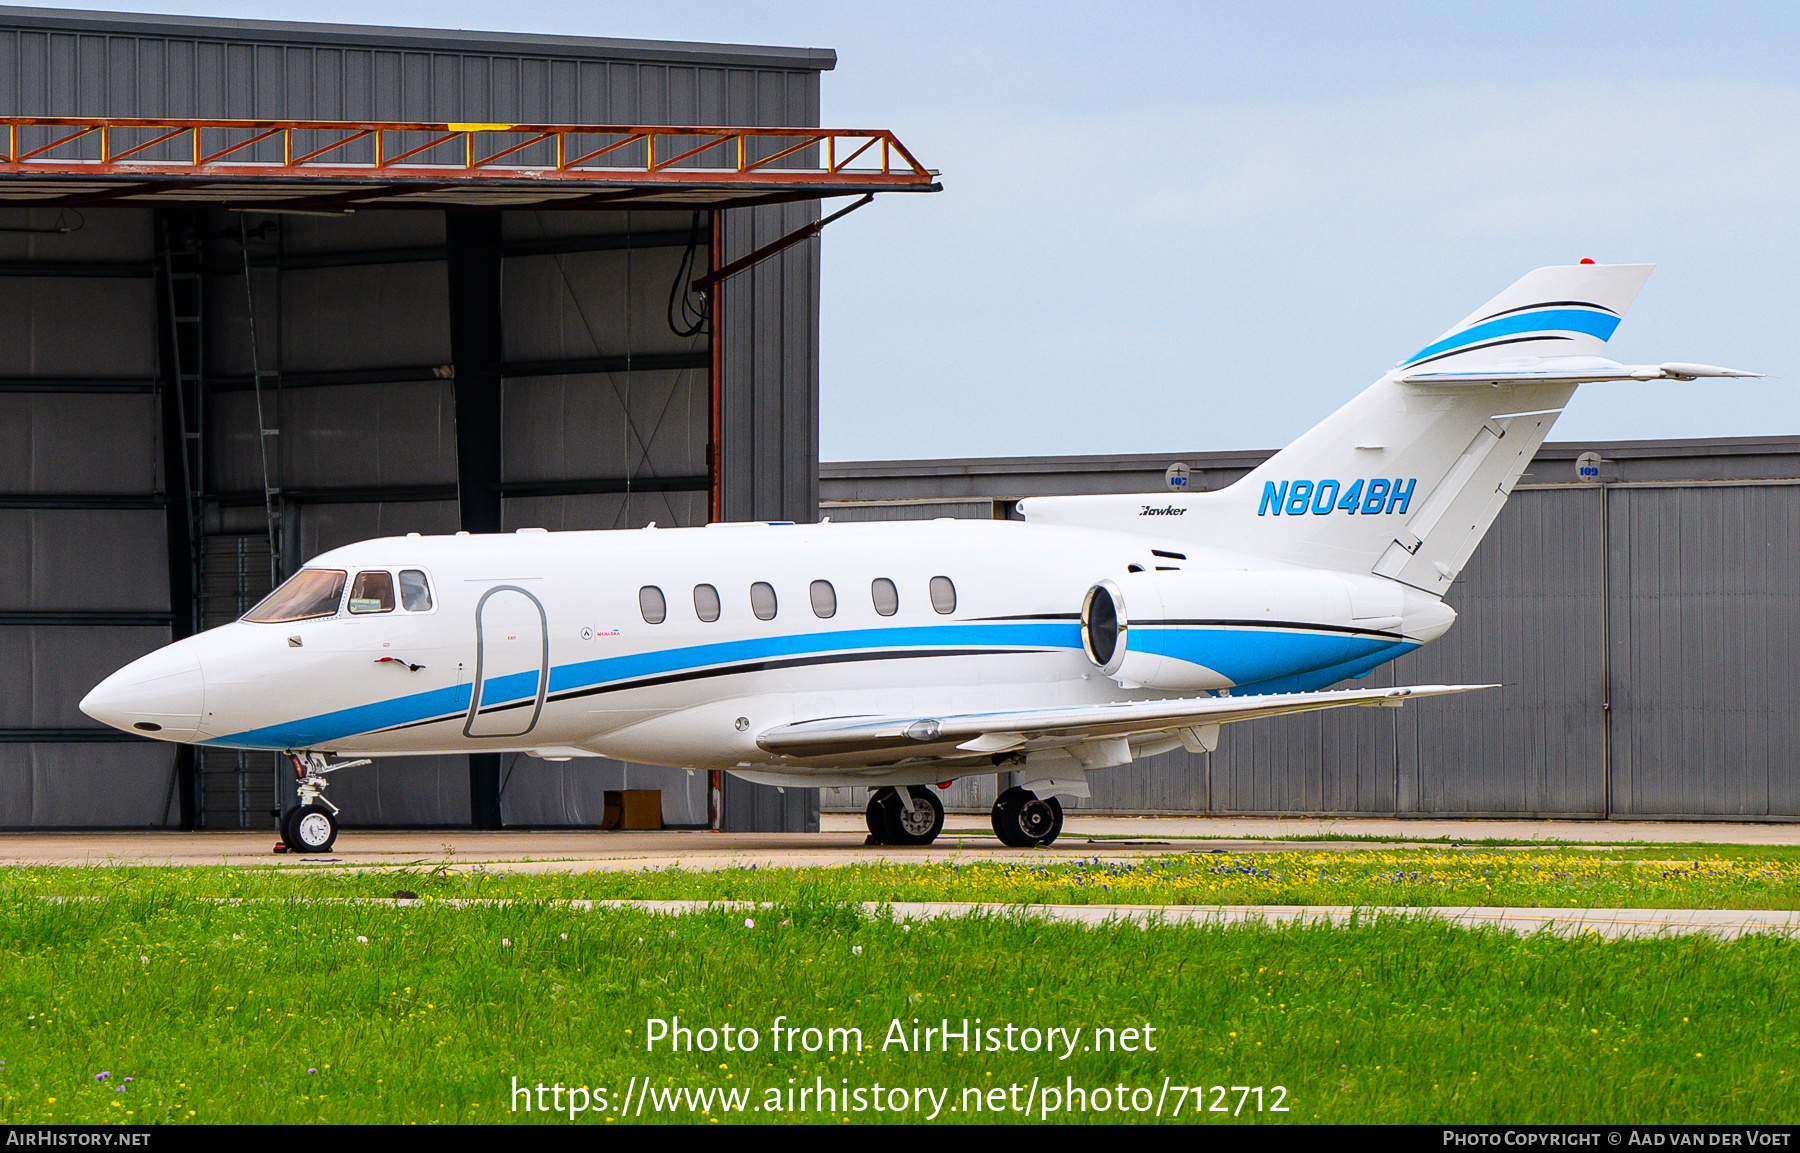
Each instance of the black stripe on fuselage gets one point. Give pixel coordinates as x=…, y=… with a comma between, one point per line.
x=724, y=671
x=1303, y=626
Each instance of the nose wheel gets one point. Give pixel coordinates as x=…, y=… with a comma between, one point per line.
x=311, y=826
x=309, y=829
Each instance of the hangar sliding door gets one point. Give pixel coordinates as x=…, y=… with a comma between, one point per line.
x=1705, y=649
x=83, y=557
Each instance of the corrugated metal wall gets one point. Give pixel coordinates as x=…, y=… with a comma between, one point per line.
x=1671, y=601
x=351, y=311
x=80, y=465
x=1704, y=649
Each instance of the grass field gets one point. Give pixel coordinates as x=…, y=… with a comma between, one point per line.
x=298, y=1010
x=1654, y=877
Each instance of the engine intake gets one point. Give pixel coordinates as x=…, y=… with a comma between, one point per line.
x=1103, y=626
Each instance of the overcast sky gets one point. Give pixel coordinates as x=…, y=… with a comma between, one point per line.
x=1178, y=227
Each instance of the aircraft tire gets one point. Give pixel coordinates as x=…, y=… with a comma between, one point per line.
x=898, y=827
x=314, y=830
x=285, y=826
x=1024, y=820
x=873, y=816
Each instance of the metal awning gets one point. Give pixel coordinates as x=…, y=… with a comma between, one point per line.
x=335, y=166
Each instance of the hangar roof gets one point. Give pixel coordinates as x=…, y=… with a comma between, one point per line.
x=330, y=117
x=427, y=39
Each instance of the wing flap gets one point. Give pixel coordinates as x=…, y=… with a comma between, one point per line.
x=979, y=733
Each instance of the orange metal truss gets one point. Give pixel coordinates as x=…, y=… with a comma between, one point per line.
x=586, y=154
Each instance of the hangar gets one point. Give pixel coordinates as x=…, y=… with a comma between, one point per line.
x=1644, y=623
x=267, y=289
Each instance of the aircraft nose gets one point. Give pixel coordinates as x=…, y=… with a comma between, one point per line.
x=160, y=695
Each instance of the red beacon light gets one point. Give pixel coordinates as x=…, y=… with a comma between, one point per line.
x=1587, y=260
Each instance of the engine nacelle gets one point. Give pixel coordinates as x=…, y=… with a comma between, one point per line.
x=1216, y=629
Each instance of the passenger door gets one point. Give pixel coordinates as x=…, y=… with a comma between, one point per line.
x=512, y=664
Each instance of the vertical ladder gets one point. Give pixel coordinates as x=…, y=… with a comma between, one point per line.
x=264, y=432
x=184, y=280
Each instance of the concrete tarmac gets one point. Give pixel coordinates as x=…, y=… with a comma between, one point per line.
x=1612, y=924
x=965, y=838
x=1394, y=829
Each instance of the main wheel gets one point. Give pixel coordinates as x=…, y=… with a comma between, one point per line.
x=1024, y=820
x=312, y=829
x=872, y=814
x=900, y=827
x=285, y=826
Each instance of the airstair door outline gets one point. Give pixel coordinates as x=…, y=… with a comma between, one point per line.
x=512, y=664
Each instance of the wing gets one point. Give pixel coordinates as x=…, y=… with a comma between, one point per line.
x=1084, y=729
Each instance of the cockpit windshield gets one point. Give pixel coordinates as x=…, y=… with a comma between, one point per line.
x=311, y=592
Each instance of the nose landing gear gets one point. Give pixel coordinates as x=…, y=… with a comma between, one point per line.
x=311, y=825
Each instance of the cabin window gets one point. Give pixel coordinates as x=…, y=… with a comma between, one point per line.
x=762, y=600
x=824, y=599
x=373, y=592
x=415, y=591
x=652, y=605
x=885, y=596
x=311, y=592
x=943, y=595
x=706, y=602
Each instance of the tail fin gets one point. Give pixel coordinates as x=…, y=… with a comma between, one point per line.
x=1405, y=479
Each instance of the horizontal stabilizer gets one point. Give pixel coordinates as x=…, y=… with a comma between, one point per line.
x=1060, y=727
x=1586, y=372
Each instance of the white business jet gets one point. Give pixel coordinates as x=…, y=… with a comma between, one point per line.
x=1098, y=630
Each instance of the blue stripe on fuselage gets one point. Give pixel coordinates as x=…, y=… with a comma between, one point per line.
x=1245, y=657
x=1316, y=679
x=342, y=723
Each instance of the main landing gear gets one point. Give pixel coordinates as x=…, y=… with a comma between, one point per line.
x=311, y=825
x=915, y=819
x=1024, y=820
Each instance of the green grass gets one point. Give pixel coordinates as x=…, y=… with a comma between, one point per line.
x=1655, y=877
x=218, y=1011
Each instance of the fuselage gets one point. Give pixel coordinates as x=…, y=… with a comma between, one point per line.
x=679, y=646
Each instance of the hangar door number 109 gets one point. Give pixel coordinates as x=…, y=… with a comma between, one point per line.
x=1095, y=631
